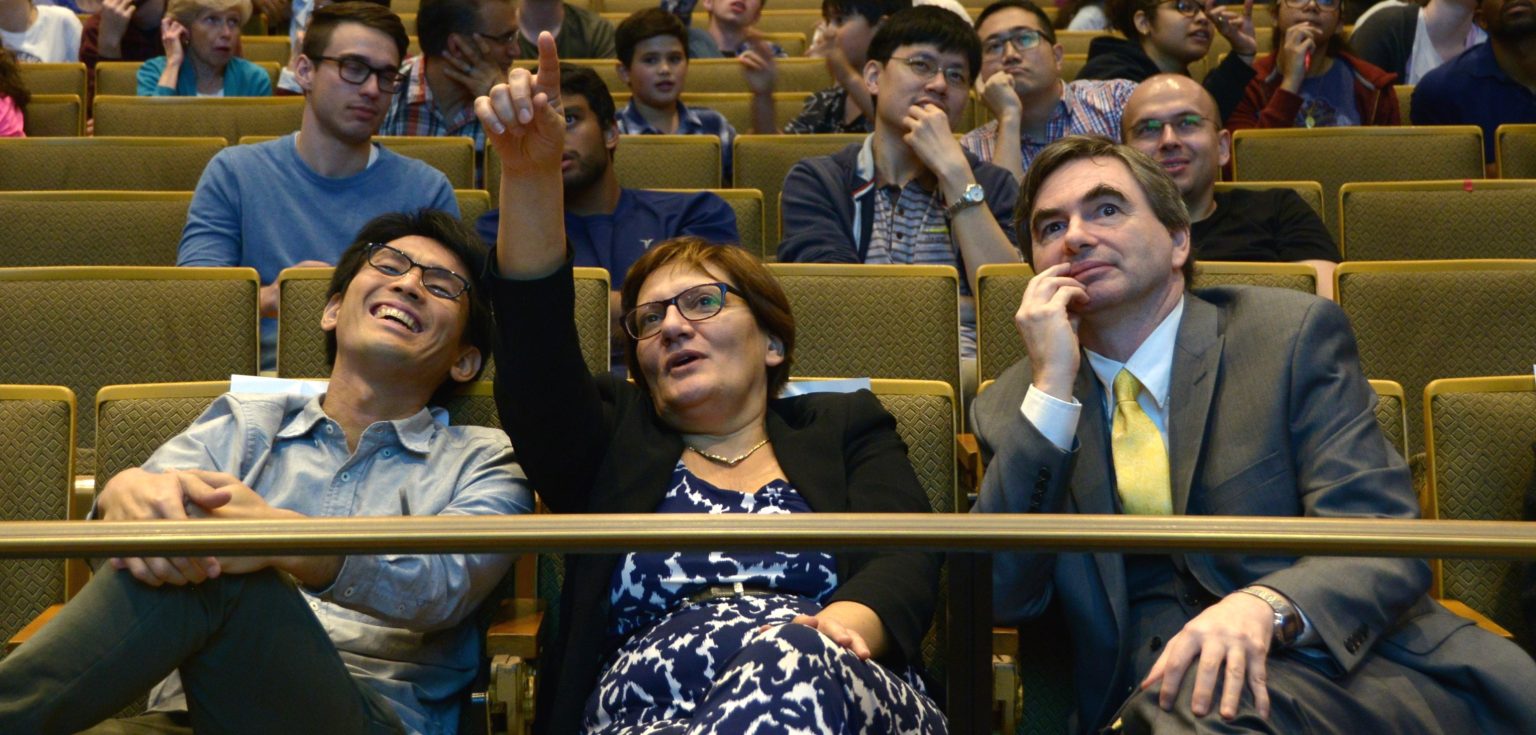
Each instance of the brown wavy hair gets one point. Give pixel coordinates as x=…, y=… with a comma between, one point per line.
x=11, y=84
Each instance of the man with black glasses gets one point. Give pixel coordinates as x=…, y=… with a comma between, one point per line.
x=282, y=644
x=298, y=200
x=1021, y=85
x=466, y=48
x=1166, y=36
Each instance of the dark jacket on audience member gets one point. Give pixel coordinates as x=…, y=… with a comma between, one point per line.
x=1266, y=105
x=1386, y=38
x=1111, y=57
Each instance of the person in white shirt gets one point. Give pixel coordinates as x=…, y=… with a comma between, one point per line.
x=46, y=33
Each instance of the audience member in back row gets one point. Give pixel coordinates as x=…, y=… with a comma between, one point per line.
x=298, y=199
x=1310, y=81
x=1173, y=120
x=608, y=226
x=46, y=33
x=1411, y=41
x=909, y=193
x=847, y=27
x=732, y=30
x=124, y=30
x=1489, y=85
x=201, y=38
x=579, y=33
x=1141, y=397
x=1021, y=85
x=13, y=98
x=1169, y=36
x=466, y=48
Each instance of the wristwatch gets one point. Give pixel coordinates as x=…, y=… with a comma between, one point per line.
x=972, y=196
x=1288, y=624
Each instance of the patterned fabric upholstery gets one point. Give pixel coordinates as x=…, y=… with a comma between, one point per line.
x=54, y=116
x=1481, y=465
x=646, y=162
x=35, y=431
x=1517, y=151
x=1001, y=288
x=1391, y=414
x=877, y=321
x=1449, y=219
x=130, y=164
x=227, y=117
x=472, y=204
x=301, y=342
x=66, y=78
x=86, y=228
x=265, y=49
x=1269, y=275
x=454, y=155
x=1310, y=191
x=1334, y=156
x=89, y=327
x=1419, y=321
x=762, y=161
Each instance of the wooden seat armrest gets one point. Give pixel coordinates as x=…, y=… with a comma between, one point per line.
x=514, y=630
x=968, y=455
x=1483, y=621
x=31, y=629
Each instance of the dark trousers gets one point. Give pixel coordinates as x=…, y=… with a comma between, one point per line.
x=252, y=657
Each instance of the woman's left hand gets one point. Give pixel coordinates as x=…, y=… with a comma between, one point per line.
x=840, y=634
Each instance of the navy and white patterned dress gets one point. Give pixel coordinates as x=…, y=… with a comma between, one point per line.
x=707, y=667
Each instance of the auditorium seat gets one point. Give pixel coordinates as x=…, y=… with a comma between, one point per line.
x=1427, y=220
x=762, y=161
x=54, y=116
x=37, y=424
x=228, y=117
x=646, y=162
x=120, y=163
x=59, y=228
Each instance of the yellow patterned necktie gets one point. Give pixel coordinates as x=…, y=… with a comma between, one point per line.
x=1141, y=460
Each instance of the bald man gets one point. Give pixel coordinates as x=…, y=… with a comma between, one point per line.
x=1173, y=119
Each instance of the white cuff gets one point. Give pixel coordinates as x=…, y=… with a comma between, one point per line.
x=1054, y=418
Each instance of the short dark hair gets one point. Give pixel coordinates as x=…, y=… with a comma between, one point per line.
x=580, y=80
x=448, y=231
x=873, y=11
x=438, y=19
x=1161, y=192
x=372, y=15
x=931, y=25
x=762, y=292
x=1046, y=27
x=645, y=24
x=1122, y=15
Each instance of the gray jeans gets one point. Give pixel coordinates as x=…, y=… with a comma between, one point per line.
x=252, y=658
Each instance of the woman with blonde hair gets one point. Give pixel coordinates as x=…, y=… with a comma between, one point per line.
x=200, y=40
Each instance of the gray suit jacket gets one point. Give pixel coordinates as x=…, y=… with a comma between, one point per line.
x=1269, y=414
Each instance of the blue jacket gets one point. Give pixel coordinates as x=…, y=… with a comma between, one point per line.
x=241, y=79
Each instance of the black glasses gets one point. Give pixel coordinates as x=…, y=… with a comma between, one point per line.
x=1322, y=4
x=926, y=68
x=695, y=304
x=1188, y=8
x=440, y=282
x=356, y=70
x=1021, y=40
x=504, y=39
x=1152, y=129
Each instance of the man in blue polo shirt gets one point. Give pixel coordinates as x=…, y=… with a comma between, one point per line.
x=1491, y=83
x=609, y=226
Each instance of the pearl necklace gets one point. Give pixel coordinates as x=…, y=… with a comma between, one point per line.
x=728, y=461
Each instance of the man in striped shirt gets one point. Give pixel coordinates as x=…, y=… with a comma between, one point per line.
x=1021, y=86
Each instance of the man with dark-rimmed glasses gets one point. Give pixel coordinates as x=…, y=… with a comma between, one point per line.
x=1020, y=83
x=298, y=200
x=303, y=644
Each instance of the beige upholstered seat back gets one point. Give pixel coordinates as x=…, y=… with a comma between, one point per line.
x=1425, y=220
x=37, y=424
x=231, y=118
x=87, y=227
x=125, y=164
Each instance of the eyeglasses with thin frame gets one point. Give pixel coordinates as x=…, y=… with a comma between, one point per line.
x=1321, y=4
x=503, y=39
x=1022, y=39
x=1186, y=8
x=355, y=70
x=1183, y=125
x=696, y=304
x=927, y=68
x=440, y=282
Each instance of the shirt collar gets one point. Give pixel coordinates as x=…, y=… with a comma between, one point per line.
x=688, y=121
x=1151, y=363
x=1485, y=65
x=864, y=167
x=414, y=432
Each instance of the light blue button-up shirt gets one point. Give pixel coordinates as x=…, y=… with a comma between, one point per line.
x=402, y=622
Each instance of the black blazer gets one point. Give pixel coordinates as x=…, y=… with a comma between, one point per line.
x=595, y=445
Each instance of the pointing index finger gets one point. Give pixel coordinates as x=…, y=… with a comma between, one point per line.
x=548, y=79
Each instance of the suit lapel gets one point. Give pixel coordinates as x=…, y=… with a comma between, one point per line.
x=1196, y=361
x=816, y=473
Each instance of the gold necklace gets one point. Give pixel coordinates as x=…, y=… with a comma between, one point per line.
x=728, y=461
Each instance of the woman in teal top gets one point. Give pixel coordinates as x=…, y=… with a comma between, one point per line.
x=200, y=40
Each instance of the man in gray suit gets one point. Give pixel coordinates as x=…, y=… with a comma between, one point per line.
x=1229, y=401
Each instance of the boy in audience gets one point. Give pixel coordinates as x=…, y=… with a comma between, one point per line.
x=293, y=201
x=1020, y=83
x=608, y=226
x=653, y=62
x=1166, y=36
x=46, y=33
x=909, y=193
x=1172, y=119
x=1491, y=83
x=579, y=33
x=732, y=30
x=845, y=107
x=303, y=644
